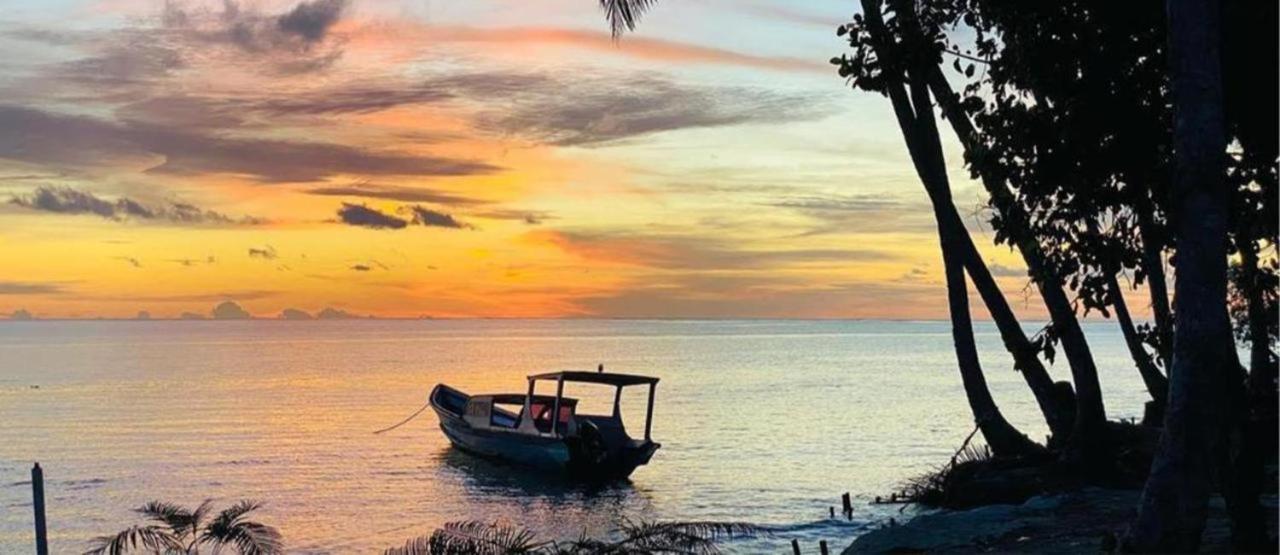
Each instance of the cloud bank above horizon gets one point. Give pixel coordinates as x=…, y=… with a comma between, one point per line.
x=481, y=159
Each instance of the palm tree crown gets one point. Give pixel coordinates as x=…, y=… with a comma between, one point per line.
x=624, y=14
x=173, y=528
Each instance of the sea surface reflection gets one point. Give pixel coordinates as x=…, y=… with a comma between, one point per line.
x=761, y=421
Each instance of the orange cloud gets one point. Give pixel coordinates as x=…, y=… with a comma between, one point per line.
x=606, y=250
x=385, y=34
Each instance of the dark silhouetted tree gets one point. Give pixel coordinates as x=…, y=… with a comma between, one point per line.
x=898, y=71
x=1174, y=505
x=916, y=121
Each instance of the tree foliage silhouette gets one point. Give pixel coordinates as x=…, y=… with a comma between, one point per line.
x=1104, y=165
x=632, y=538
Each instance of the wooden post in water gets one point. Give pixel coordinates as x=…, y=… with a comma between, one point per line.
x=37, y=503
x=848, y=505
x=833, y=511
x=822, y=547
x=795, y=547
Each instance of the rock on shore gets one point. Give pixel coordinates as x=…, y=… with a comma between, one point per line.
x=1073, y=522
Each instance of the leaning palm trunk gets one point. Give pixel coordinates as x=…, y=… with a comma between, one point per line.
x=1003, y=438
x=1262, y=362
x=1256, y=415
x=958, y=251
x=1153, y=264
x=1090, y=413
x=1056, y=412
x=916, y=121
x=1171, y=515
x=1157, y=385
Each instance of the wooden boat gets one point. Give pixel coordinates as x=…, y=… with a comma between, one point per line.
x=521, y=428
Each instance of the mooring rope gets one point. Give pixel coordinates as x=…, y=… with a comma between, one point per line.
x=406, y=421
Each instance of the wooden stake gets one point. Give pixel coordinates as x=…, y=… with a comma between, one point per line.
x=37, y=503
x=822, y=547
x=795, y=546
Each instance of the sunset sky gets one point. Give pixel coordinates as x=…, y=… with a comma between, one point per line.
x=464, y=158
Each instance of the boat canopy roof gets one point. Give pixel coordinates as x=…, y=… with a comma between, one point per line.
x=607, y=378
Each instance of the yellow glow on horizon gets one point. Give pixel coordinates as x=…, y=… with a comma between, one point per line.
x=656, y=176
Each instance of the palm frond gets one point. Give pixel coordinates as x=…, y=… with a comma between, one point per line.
x=637, y=538
x=973, y=454
x=198, y=515
x=682, y=537
x=481, y=538
x=420, y=545
x=624, y=14
x=254, y=538
x=230, y=528
x=937, y=487
x=235, y=512
x=591, y=546
x=176, y=517
x=155, y=539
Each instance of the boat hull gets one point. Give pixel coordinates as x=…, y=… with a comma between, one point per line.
x=573, y=456
x=547, y=453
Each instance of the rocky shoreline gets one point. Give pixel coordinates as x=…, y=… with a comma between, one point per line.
x=1087, y=520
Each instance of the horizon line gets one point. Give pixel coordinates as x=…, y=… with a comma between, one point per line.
x=1086, y=319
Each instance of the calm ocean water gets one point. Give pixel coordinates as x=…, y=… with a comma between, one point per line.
x=760, y=421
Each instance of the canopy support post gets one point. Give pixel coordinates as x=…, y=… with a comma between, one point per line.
x=528, y=400
x=617, y=403
x=555, y=415
x=648, y=417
